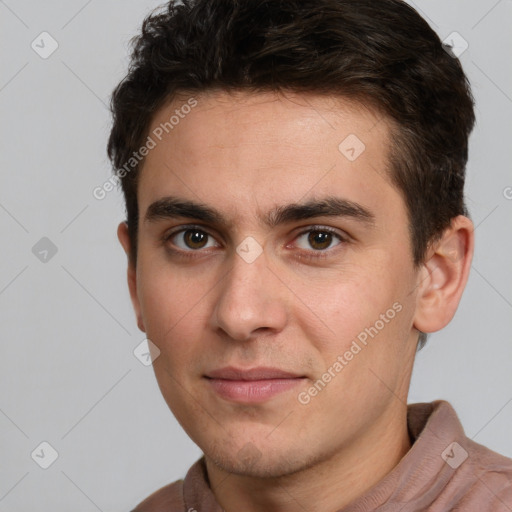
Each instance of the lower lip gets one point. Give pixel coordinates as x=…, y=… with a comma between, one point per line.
x=252, y=391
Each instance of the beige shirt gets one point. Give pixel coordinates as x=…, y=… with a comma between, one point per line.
x=443, y=471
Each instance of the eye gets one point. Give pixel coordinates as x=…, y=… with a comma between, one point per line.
x=319, y=239
x=190, y=239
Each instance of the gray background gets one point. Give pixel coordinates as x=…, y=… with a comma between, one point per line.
x=68, y=373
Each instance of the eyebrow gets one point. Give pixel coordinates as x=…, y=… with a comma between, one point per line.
x=171, y=207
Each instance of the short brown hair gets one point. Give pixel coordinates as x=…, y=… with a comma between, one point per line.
x=379, y=52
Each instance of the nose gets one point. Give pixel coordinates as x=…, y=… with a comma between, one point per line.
x=251, y=299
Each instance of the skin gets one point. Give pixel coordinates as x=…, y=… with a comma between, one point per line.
x=244, y=154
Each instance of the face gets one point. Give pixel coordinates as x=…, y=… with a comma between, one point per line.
x=275, y=276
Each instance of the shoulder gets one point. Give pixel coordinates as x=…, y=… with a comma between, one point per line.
x=455, y=473
x=480, y=480
x=493, y=476
x=166, y=499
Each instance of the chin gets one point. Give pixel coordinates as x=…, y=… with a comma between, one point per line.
x=259, y=462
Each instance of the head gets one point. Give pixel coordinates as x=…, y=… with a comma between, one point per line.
x=252, y=120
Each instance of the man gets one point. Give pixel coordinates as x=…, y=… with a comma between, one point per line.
x=293, y=174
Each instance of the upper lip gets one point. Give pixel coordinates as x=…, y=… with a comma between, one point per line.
x=258, y=373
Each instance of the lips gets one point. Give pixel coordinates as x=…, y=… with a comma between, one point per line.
x=251, y=385
x=259, y=373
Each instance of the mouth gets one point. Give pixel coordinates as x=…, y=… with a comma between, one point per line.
x=252, y=385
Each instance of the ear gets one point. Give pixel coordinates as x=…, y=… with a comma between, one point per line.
x=124, y=239
x=443, y=276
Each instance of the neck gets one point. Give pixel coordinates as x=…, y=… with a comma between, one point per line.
x=329, y=485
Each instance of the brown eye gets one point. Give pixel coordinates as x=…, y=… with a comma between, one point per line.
x=191, y=239
x=194, y=238
x=319, y=243
x=319, y=239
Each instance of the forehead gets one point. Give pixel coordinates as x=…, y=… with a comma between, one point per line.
x=247, y=152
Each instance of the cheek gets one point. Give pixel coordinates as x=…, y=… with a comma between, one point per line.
x=366, y=314
x=171, y=305
x=346, y=302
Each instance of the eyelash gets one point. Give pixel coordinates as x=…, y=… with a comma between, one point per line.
x=308, y=255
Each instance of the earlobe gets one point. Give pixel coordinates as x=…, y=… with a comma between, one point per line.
x=444, y=276
x=124, y=239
